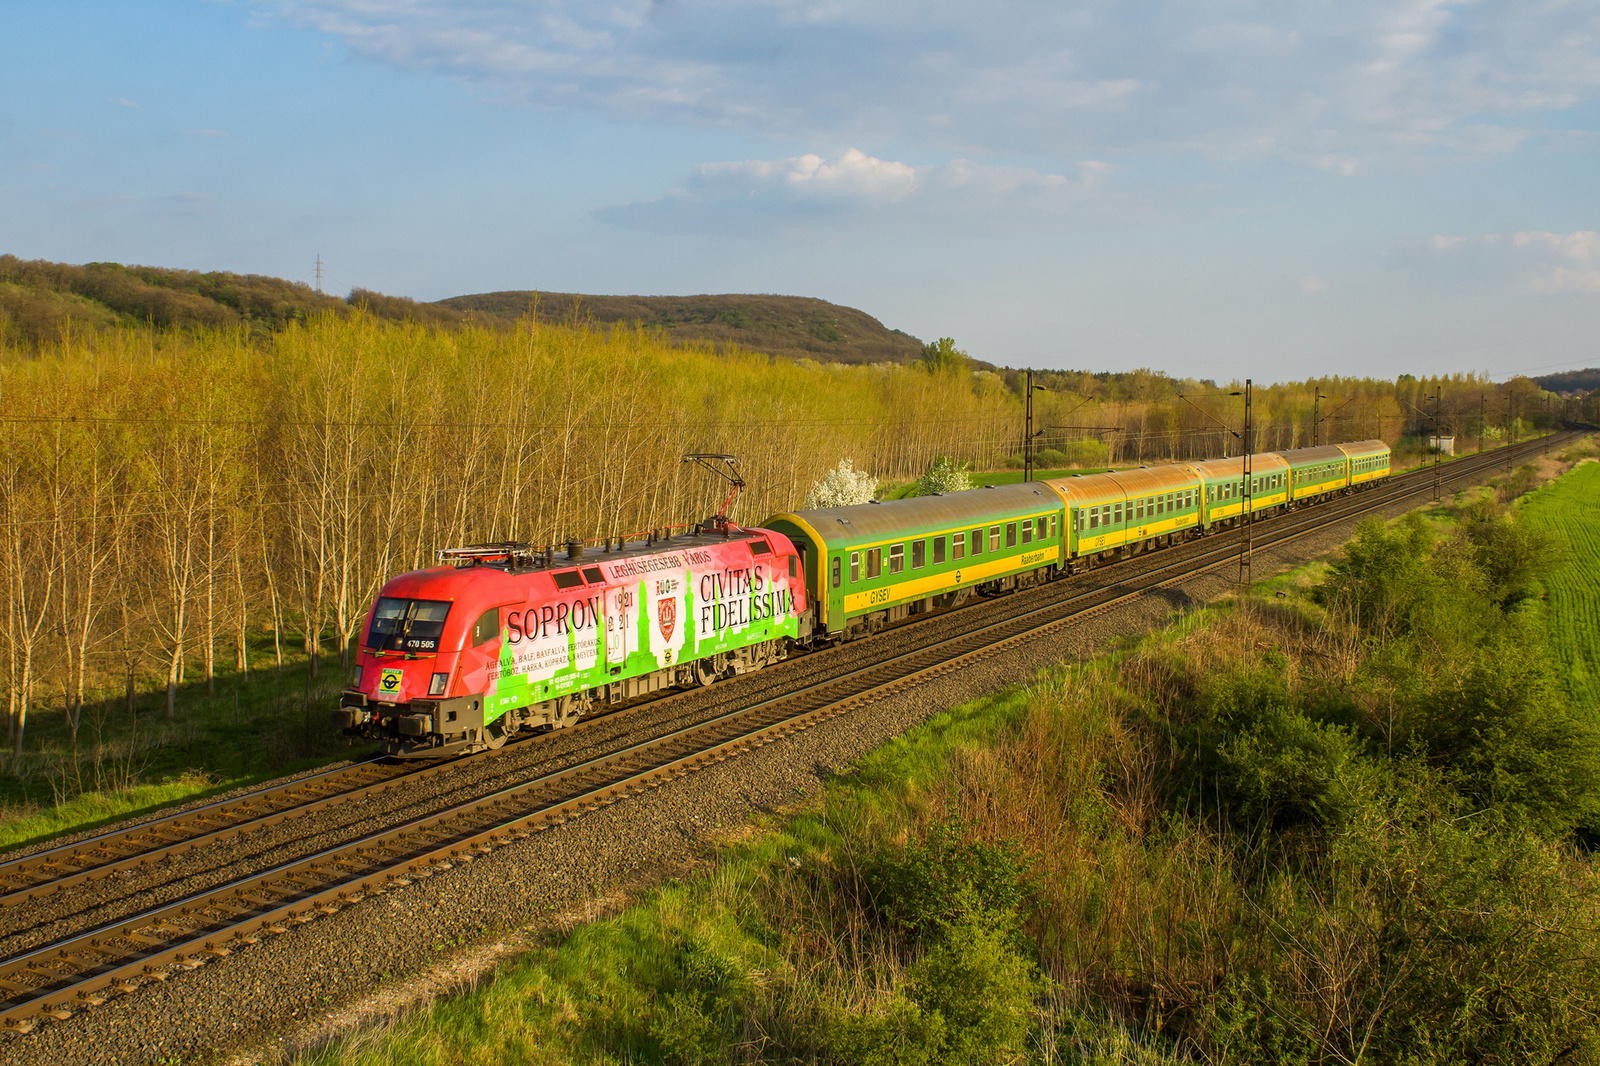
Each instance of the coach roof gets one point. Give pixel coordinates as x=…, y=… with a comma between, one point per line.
x=902, y=518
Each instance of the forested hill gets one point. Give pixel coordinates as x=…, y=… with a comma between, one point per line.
x=1571, y=381
x=795, y=326
x=39, y=298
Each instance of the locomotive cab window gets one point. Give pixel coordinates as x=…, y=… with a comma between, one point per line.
x=487, y=627
x=407, y=625
x=897, y=558
x=836, y=568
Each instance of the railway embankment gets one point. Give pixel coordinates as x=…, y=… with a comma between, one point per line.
x=456, y=925
x=1346, y=815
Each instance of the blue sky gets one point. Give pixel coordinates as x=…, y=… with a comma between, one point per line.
x=1219, y=188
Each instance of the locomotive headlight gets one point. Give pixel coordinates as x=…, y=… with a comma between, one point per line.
x=436, y=686
x=355, y=678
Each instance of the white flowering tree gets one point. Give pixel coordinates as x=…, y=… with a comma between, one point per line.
x=944, y=475
x=843, y=486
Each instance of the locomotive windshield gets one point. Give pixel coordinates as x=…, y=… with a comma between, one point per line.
x=407, y=625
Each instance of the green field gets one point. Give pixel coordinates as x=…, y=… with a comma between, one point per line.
x=1569, y=508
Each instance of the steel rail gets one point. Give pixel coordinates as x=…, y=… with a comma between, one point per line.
x=53, y=979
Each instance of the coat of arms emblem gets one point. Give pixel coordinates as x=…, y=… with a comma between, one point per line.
x=667, y=616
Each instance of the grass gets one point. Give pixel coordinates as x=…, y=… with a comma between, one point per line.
x=125, y=764
x=1569, y=509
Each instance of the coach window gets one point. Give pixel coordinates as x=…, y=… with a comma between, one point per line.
x=1011, y=534
x=1094, y=518
x=994, y=538
x=919, y=554
x=1052, y=525
x=855, y=567
x=938, y=550
x=874, y=562
x=977, y=542
x=958, y=546
x=897, y=558
x=1116, y=514
x=1027, y=531
x=836, y=569
x=1040, y=527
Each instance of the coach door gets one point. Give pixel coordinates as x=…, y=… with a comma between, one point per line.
x=619, y=624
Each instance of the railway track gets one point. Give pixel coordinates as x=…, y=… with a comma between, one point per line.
x=82, y=970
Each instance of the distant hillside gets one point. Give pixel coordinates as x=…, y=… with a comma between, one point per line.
x=38, y=299
x=794, y=326
x=1571, y=381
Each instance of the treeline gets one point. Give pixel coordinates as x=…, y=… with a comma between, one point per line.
x=165, y=496
x=169, y=499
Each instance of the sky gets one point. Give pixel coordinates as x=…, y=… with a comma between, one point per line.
x=1212, y=188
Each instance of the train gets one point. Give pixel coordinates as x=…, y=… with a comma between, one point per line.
x=505, y=638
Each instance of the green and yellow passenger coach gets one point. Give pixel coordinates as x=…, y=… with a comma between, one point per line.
x=876, y=563
x=1369, y=461
x=1223, y=486
x=1128, y=511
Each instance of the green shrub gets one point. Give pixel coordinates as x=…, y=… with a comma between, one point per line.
x=1268, y=754
x=916, y=887
x=1502, y=730
x=970, y=998
x=1425, y=934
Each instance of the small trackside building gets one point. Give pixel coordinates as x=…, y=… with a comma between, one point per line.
x=875, y=563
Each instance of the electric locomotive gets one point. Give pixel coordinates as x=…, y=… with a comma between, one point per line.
x=503, y=638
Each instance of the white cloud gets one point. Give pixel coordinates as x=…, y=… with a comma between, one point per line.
x=1332, y=85
x=782, y=191
x=1537, y=260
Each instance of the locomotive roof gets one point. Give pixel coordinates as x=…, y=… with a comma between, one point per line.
x=892, y=518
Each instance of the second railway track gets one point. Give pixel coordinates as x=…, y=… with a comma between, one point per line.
x=69, y=974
